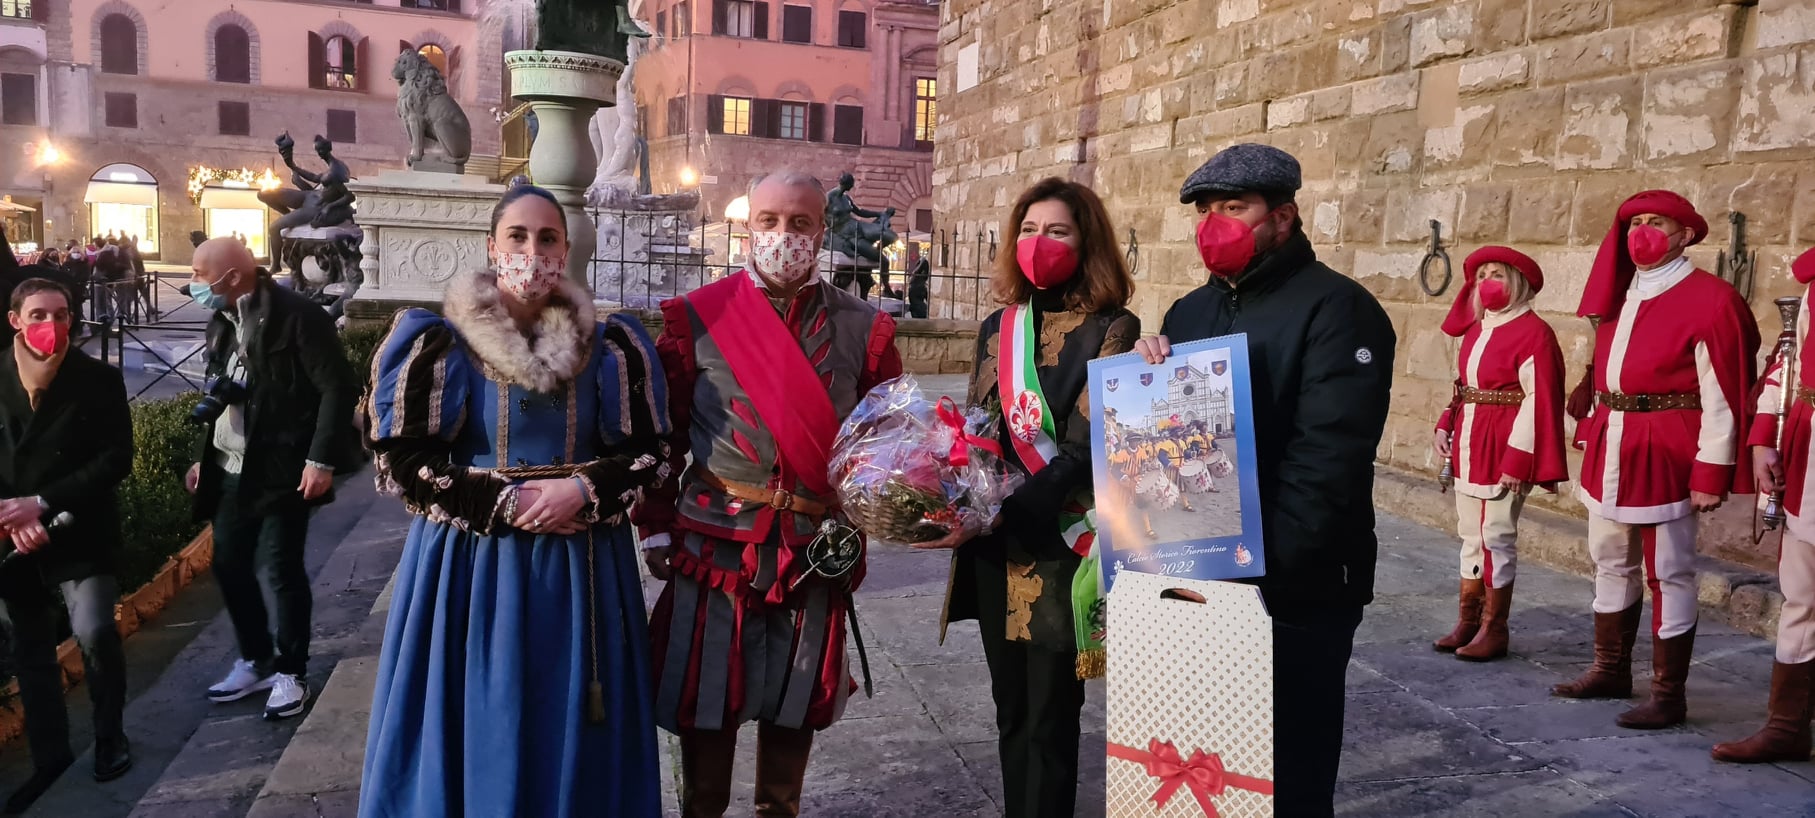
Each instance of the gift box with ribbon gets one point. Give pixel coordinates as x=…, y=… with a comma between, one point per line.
x=1190, y=699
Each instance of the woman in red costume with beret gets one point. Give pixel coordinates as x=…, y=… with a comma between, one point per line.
x=1503, y=434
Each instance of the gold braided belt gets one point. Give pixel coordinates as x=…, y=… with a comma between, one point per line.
x=1492, y=397
x=1806, y=395
x=1624, y=402
x=595, y=691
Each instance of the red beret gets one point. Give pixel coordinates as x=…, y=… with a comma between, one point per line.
x=1509, y=257
x=1804, y=267
x=1613, y=269
x=1665, y=203
x=1462, y=312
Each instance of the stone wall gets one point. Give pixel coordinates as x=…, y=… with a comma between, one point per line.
x=1509, y=121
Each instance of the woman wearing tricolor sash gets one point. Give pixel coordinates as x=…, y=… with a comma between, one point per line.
x=1031, y=582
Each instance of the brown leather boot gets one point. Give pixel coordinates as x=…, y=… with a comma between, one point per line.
x=1468, y=617
x=1610, y=677
x=781, y=769
x=1490, y=642
x=707, y=757
x=1786, y=733
x=1669, y=672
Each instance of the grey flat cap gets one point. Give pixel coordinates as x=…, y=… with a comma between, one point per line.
x=1244, y=168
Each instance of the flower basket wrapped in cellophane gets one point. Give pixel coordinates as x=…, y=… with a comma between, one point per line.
x=909, y=470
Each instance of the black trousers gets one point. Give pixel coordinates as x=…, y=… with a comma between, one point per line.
x=259, y=555
x=1310, y=668
x=1039, y=700
x=31, y=613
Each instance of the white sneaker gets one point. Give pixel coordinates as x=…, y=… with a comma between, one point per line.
x=289, y=693
x=244, y=681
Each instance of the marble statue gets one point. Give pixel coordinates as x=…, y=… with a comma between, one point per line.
x=430, y=115
x=614, y=130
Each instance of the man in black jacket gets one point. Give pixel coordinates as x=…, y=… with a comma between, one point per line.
x=279, y=419
x=1321, y=357
x=65, y=447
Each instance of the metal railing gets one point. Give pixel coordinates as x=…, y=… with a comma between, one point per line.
x=645, y=257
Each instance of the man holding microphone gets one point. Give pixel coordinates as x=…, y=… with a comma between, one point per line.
x=65, y=447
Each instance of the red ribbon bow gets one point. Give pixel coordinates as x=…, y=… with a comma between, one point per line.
x=949, y=415
x=1203, y=773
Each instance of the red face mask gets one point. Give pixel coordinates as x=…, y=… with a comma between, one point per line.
x=1647, y=245
x=1046, y=262
x=46, y=337
x=1225, y=244
x=1494, y=296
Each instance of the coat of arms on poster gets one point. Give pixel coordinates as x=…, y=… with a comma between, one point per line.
x=1173, y=451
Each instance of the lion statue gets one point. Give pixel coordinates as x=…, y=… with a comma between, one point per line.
x=428, y=112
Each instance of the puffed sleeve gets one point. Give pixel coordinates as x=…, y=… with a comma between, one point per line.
x=417, y=406
x=634, y=421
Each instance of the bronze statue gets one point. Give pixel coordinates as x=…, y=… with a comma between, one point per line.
x=318, y=200
x=430, y=114
x=857, y=239
x=598, y=27
x=322, y=204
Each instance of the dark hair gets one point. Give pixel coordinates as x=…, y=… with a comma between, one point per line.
x=517, y=192
x=34, y=286
x=1102, y=284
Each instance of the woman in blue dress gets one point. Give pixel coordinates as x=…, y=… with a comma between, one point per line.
x=514, y=679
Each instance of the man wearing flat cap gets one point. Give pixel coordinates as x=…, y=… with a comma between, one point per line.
x=1320, y=350
x=1673, y=369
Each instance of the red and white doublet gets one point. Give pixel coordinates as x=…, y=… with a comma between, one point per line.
x=1678, y=332
x=1796, y=559
x=1508, y=355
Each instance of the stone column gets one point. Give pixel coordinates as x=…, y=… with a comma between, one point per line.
x=368, y=260
x=564, y=89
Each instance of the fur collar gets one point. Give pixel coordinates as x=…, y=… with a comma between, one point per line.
x=556, y=348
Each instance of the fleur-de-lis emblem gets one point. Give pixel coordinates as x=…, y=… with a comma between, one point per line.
x=1024, y=418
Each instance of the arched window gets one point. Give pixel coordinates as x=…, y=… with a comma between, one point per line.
x=436, y=57
x=342, y=65
x=119, y=45
x=232, y=54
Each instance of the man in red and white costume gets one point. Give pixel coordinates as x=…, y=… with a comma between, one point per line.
x=1673, y=371
x=1503, y=434
x=1785, y=736
x=761, y=368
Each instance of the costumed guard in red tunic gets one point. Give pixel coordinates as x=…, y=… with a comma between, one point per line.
x=1785, y=736
x=1672, y=377
x=1503, y=434
x=760, y=375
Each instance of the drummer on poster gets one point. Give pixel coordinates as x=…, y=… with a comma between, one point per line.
x=1674, y=360
x=1502, y=434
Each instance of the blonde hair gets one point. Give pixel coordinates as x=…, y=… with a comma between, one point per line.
x=1518, y=290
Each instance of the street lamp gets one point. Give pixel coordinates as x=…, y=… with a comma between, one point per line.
x=48, y=154
x=738, y=210
x=689, y=177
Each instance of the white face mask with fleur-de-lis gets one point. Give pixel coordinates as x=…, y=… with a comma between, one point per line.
x=784, y=258
x=529, y=276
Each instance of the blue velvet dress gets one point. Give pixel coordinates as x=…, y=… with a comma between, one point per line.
x=481, y=706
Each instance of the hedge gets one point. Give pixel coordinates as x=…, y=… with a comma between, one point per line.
x=154, y=508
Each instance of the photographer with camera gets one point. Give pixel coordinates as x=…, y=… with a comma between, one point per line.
x=65, y=447
x=279, y=418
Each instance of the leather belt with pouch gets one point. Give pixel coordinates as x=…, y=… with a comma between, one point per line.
x=774, y=498
x=1492, y=397
x=1624, y=402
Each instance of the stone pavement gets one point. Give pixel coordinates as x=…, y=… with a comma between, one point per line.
x=1426, y=734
